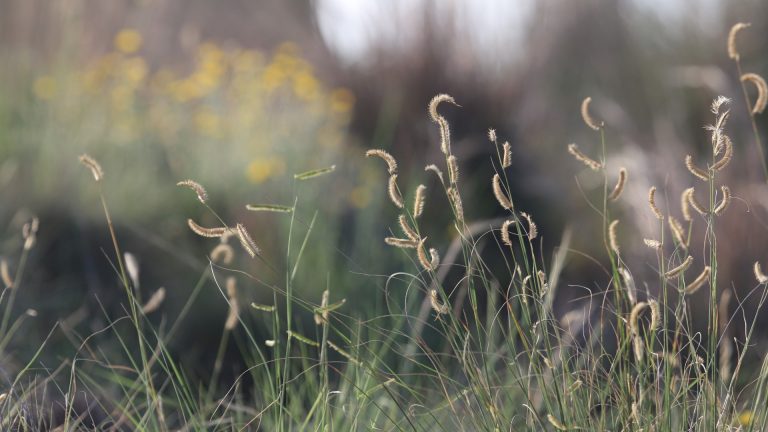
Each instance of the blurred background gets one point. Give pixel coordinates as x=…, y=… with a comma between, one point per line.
x=241, y=95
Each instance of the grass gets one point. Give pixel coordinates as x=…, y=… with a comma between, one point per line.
x=465, y=336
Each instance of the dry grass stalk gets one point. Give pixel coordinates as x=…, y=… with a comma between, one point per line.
x=506, y=160
x=671, y=274
x=696, y=171
x=505, y=235
x=206, y=232
x=594, y=165
x=438, y=306
x=306, y=175
x=587, y=117
x=222, y=253
x=234, y=308
x=202, y=195
x=732, y=51
x=5, y=274
x=698, y=282
x=652, y=203
x=418, y=201
x=407, y=230
x=154, y=301
x=762, y=91
x=619, y=188
x=94, y=166
x=453, y=169
x=612, y=236
x=533, y=230
x=724, y=202
x=400, y=243
x=498, y=192
x=394, y=192
x=637, y=341
x=691, y=198
x=388, y=158
x=445, y=131
x=246, y=241
x=678, y=232
x=759, y=275
x=543, y=285
x=726, y=343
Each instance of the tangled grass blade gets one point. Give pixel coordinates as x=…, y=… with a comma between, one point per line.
x=269, y=208
x=306, y=175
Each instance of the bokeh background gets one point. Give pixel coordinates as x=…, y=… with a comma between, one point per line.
x=241, y=95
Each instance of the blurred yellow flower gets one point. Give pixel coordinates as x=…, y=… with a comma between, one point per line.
x=305, y=86
x=342, y=100
x=45, y=87
x=746, y=417
x=263, y=168
x=135, y=70
x=122, y=98
x=128, y=41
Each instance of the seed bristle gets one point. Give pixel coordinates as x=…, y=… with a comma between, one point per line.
x=587, y=116
x=202, y=194
x=762, y=91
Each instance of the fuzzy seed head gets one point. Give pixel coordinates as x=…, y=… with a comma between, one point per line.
x=421, y=253
x=732, y=51
x=652, y=203
x=693, y=202
x=94, y=166
x=394, y=192
x=498, y=192
x=698, y=282
x=458, y=206
x=696, y=171
x=655, y=315
x=401, y=243
x=234, y=309
x=492, y=135
x=154, y=301
x=202, y=195
x=759, y=275
x=418, y=201
x=445, y=132
x=222, y=253
x=587, y=116
x=727, y=155
x=506, y=160
x=453, y=169
x=205, y=232
x=612, y=236
x=246, y=241
x=533, y=230
x=678, y=232
x=684, y=206
x=724, y=202
x=762, y=91
x=619, y=188
x=388, y=158
x=436, y=170
x=438, y=306
x=653, y=244
x=573, y=149
x=505, y=235
x=673, y=273
x=5, y=274
x=555, y=423
x=407, y=230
